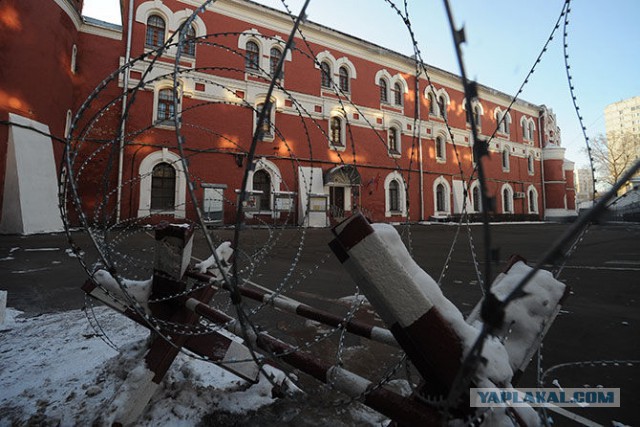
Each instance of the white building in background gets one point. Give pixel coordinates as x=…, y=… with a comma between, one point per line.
x=622, y=117
x=584, y=187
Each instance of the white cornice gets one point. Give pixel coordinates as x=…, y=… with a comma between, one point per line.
x=71, y=12
x=110, y=33
x=256, y=14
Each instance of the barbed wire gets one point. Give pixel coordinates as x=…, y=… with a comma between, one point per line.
x=88, y=130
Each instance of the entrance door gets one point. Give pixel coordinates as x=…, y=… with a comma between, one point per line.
x=336, y=202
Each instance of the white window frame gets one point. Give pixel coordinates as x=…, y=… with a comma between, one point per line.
x=536, y=210
x=343, y=131
x=507, y=187
x=447, y=197
x=402, y=195
x=505, y=160
x=443, y=158
x=166, y=124
x=145, y=173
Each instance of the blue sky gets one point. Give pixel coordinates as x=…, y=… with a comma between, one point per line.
x=504, y=37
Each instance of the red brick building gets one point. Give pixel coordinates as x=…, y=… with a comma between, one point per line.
x=348, y=128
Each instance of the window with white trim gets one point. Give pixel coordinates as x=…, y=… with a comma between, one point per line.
x=274, y=58
x=393, y=140
x=337, y=131
x=441, y=196
x=163, y=187
x=441, y=149
x=432, y=103
x=74, y=59
x=266, y=130
x=505, y=159
x=394, y=196
x=532, y=195
x=530, y=164
x=397, y=94
x=344, y=83
x=325, y=75
x=189, y=45
x=442, y=106
x=507, y=199
x=394, y=191
x=384, y=94
x=252, y=56
x=156, y=29
x=165, y=107
x=262, y=185
x=476, y=198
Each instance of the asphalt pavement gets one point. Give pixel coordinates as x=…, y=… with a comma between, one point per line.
x=599, y=324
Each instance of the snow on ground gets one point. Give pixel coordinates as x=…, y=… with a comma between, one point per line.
x=55, y=370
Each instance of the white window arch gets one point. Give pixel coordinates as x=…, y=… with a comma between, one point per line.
x=67, y=124
x=394, y=139
x=532, y=200
x=337, y=131
x=145, y=172
x=505, y=156
x=74, y=59
x=164, y=110
x=439, y=101
x=475, y=197
x=531, y=163
x=263, y=165
x=440, y=148
x=395, y=195
x=268, y=125
x=506, y=194
x=441, y=197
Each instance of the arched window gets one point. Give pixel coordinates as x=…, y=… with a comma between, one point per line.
x=252, y=56
x=525, y=130
x=336, y=131
x=394, y=196
x=440, y=198
x=505, y=159
x=384, y=97
x=344, y=79
x=475, y=198
x=441, y=149
x=442, y=106
x=163, y=187
x=532, y=130
x=262, y=182
x=500, y=122
x=166, y=109
x=432, y=103
x=507, y=123
x=530, y=167
x=507, y=202
x=74, y=58
x=189, y=46
x=265, y=129
x=274, y=59
x=325, y=74
x=393, y=141
x=397, y=94
x=477, y=115
x=533, y=201
x=155, y=31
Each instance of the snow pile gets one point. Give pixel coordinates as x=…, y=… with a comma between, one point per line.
x=139, y=290
x=54, y=369
x=224, y=252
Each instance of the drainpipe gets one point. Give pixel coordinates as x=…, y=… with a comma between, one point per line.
x=417, y=97
x=544, y=195
x=125, y=82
